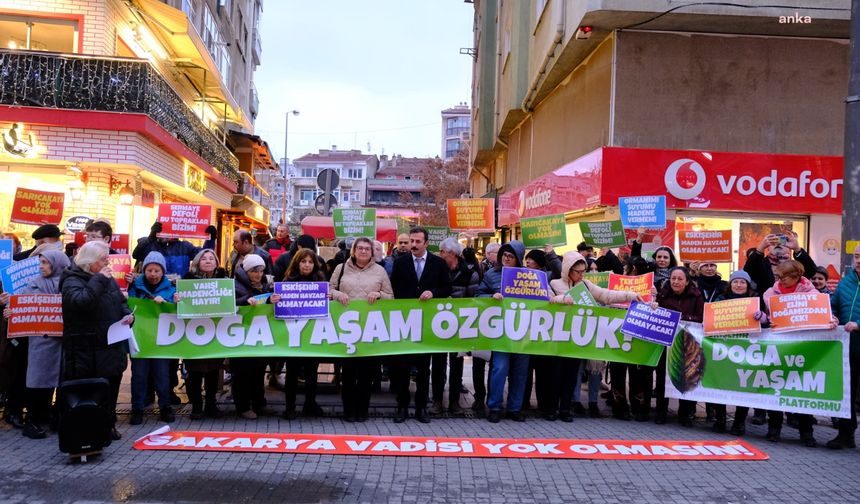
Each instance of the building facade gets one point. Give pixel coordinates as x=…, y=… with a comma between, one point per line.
x=396, y=176
x=456, y=127
x=352, y=167
x=573, y=100
x=108, y=95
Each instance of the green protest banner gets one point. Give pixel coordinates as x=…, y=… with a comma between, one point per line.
x=436, y=234
x=354, y=222
x=546, y=230
x=606, y=234
x=394, y=327
x=805, y=372
x=211, y=297
x=581, y=296
x=599, y=279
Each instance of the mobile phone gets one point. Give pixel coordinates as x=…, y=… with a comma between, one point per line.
x=782, y=239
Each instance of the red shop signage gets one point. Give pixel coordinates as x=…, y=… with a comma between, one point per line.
x=725, y=180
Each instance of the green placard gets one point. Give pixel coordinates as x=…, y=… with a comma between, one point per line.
x=599, y=279
x=607, y=234
x=581, y=296
x=214, y=297
x=390, y=327
x=436, y=235
x=545, y=230
x=354, y=222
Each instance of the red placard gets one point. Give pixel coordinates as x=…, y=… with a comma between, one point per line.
x=725, y=180
x=732, y=316
x=35, y=315
x=640, y=284
x=705, y=246
x=37, y=207
x=118, y=242
x=799, y=311
x=120, y=264
x=476, y=214
x=428, y=446
x=184, y=220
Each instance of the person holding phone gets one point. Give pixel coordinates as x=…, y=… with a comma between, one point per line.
x=773, y=250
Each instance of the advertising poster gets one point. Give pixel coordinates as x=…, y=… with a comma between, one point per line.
x=525, y=283
x=120, y=264
x=472, y=214
x=732, y=316
x=640, y=284
x=215, y=297
x=607, y=234
x=581, y=296
x=354, y=222
x=643, y=211
x=118, y=242
x=705, y=246
x=799, y=312
x=184, y=220
x=799, y=373
x=657, y=325
x=35, y=315
x=301, y=300
x=547, y=230
x=436, y=235
x=7, y=248
x=37, y=207
x=17, y=275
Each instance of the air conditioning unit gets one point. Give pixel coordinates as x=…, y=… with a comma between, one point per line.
x=304, y=202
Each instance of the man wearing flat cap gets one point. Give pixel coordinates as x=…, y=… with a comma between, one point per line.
x=47, y=236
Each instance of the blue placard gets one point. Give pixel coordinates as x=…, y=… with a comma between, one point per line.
x=524, y=283
x=301, y=300
x=643, y=211
x=657, y=325
x=18, y=275
x=6, y=250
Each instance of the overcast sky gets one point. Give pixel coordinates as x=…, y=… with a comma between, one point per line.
x=359, y=72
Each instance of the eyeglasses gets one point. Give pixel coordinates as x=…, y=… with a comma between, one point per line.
x=404, y=243
x=708, y=265
x=578, y=271
x=508, y=255
x=363, y=249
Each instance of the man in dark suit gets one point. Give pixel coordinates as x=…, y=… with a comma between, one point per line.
x=418, y=275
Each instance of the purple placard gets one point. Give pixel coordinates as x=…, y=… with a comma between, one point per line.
x=657, y=325
x=524, y=283
x=300, y=300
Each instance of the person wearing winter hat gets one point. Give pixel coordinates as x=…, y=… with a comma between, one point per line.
x=505, y=366
x=249, y=391
x=47, y=236
x=154, y=285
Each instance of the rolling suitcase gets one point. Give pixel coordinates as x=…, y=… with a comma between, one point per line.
x=85, y=422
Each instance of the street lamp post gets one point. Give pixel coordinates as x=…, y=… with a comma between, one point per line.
x=286, y=162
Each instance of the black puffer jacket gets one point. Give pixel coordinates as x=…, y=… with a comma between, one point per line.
x=91, y=303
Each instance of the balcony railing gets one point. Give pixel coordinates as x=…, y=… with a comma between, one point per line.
x=110, y=85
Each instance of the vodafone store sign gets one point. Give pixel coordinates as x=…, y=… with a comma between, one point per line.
x=725, y=180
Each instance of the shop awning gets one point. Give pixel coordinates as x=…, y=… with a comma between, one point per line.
x=323, y=227
x=189, y=54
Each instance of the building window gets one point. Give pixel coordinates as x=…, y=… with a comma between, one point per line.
x=188, y=9
x=456, y=125
x=355, y=173
x=452, y=147
x=351, y=195
x=39, y=34
x=216, y=45
x=308, y=172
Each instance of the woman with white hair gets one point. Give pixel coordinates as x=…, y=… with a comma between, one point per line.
x=92, y=302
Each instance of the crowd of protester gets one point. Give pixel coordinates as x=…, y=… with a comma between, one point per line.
x=31, y=368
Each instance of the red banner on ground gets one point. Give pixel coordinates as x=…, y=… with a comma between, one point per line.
x=334, y=444
x=35, y=315
x=184, y=220
x=37, y=207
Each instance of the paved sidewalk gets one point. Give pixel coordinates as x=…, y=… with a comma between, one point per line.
x=35, y=471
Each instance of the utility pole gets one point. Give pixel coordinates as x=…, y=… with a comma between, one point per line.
x=286, y=162
x=851, y=167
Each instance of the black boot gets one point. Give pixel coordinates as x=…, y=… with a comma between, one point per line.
x=845, y=439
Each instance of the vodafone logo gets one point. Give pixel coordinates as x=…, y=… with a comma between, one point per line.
x=685, y=179
x=538, y=198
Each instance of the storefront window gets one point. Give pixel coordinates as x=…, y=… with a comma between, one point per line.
x=38, y=34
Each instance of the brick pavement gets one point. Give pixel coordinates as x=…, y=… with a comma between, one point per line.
x=35, y=471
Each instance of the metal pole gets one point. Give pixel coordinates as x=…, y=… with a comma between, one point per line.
x=284, y=170
x=851, y=166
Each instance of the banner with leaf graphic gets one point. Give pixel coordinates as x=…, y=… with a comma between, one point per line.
x=805, y=372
